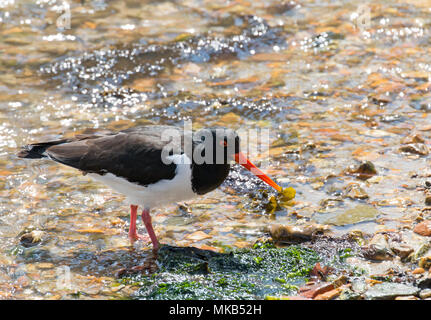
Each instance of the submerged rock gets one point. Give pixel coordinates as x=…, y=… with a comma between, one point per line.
x=295, y=234
x=415, y=138
x=425, y=262
x=415, y=148
x=363, y=171
x=357, y=214
x=400, y=249
x=424, y=250
x=32, y=238
x=354, y=191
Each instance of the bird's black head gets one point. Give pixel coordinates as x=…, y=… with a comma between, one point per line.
x=213, y=150
x=215, y=146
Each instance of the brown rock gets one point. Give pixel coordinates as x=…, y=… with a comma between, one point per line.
x=401, y=250
x=281, y=233
x=31, y=238
x=418, y=271
x=329, y=294
x=415, y=148
x=319, y=272
x=428, y=200
x=378, y=249
x=311, y=291
x=354, y=191
x=416, y=138
x=425, y=262
x=423, y=228
x=363, y=171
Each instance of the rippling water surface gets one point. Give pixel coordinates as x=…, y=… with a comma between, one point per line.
x=333, y=87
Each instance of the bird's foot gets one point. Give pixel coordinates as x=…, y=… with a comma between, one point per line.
x=147, y=268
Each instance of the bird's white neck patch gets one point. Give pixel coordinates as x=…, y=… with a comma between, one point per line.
x=162, y=192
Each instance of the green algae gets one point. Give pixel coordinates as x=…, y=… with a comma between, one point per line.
x=191, y=273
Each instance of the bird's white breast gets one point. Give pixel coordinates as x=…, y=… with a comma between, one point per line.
x=162, y=192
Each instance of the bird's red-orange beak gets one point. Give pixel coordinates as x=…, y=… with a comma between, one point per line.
x=242, y=160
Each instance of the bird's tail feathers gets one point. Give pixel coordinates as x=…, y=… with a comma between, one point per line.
x=37, y=150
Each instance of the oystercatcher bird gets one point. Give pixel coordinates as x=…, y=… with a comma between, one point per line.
x=151, y=165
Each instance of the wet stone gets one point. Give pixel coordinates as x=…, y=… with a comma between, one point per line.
x=415, y=148
x=31, y=238
x=424, y=283
x=378, y=249
x=416, y=138
x=363, y=171
x=418, y=271
x=354, y=191
x=423, y=228
x=401, y=250
x=389, y=291
x=425, y=262
x=295, y=234
x=357, y=214
x=311, y=291
x=426, y=293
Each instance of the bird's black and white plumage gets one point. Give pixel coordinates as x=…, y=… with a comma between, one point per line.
x=131, y=162
x=148, y=165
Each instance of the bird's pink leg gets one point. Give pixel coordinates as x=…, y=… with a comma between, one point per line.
x=146, y=218
x=133, y=235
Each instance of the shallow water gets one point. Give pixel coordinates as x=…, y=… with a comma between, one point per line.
x=332, y=91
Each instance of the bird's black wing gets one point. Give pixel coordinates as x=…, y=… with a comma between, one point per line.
x=134, y=154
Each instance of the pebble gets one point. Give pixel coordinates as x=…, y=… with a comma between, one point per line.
x=401, y=250
x=426, y=293
x=418, y=271
x=354, y=191
x=280, y=233
x=31, y=238
x=378, y=249
x=363, y=171
x=329, y=295
x=423, y=228
x=424, y=282
x=45, y=265
x=311, y=291
x=415, y=138
x=425, y=262
x=415, y=148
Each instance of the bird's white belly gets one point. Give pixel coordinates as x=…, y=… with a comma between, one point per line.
x=162, y=192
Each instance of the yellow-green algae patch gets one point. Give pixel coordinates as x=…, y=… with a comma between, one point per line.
x=191, y=273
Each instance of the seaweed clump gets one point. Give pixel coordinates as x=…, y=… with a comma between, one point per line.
x=191, y=273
